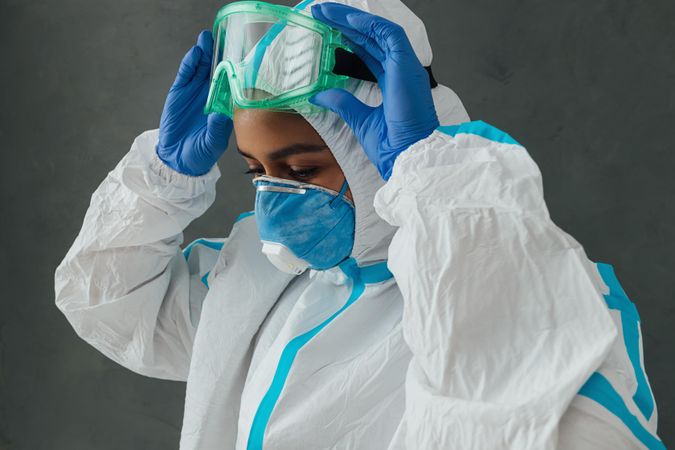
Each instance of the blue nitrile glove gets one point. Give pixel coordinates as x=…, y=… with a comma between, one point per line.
x=407, y=113
x=189, y=141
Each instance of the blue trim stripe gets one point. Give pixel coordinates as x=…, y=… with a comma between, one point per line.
x=303, y=4
x=479, y=128
x=206, y=243
x=376, y=273
x=599, y=389
x=205, y=279
x=360, y=276
x=630, y=323
x=244, y=215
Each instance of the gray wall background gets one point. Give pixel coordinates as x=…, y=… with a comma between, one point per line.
x=588, y=87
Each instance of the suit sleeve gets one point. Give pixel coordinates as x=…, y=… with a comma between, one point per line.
x=124, y=285
x=503, y=311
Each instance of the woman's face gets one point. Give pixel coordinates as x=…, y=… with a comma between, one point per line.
x=285, y=145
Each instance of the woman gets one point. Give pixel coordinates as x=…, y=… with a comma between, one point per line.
x=450, y=312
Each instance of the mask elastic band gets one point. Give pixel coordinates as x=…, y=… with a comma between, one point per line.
x=341, y=194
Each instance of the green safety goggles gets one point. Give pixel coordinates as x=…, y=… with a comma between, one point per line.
x=275, y=57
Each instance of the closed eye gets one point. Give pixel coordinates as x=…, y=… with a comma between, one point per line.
x=257, y=171
x=303, y=174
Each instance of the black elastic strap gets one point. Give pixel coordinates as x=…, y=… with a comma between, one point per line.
x=348, y=63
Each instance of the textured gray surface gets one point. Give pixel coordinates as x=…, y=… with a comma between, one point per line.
x=588, y=87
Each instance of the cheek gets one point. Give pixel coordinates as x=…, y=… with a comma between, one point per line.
x=331, y=177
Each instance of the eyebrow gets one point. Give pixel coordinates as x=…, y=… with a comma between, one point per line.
x=293, y=149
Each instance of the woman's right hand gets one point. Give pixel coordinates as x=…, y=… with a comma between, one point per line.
x=189, y=141
x=407, y=113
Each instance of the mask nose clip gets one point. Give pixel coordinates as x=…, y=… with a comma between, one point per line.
x=333, y=203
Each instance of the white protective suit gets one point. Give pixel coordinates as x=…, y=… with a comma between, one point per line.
x=494, y=332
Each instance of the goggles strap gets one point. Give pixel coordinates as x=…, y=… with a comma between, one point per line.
x=348, y=63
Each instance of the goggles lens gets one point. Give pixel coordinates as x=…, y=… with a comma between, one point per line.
x=267, y=56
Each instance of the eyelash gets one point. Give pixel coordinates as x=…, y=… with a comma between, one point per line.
x=302, y=174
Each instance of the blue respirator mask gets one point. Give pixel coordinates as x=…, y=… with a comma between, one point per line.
x=302, y=225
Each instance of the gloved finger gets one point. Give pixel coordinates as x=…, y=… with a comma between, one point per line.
x=188, y=67
x=197, y=61
x=218, y=131
x=205, y=43
x=389, y=36
x=352, y=110
x=335, y=15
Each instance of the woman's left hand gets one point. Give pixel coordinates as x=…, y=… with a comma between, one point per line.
x=407, y=113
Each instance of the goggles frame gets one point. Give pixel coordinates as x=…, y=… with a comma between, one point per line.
x=226, y=91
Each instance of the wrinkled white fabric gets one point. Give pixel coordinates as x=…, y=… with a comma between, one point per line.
x=506, y=320
x=288, y=62
x=491, y=324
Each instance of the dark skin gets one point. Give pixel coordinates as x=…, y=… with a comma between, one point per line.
x=285, y=145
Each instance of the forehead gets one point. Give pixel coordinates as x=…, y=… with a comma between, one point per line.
x=258, y=131
x=251, y=124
